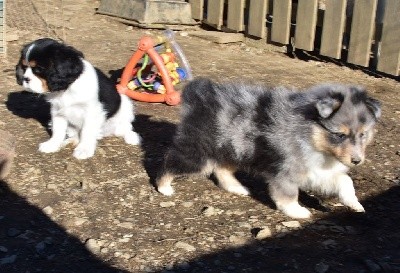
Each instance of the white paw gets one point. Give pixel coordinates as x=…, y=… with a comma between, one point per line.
x=132, y=138
x=238, y=189
x=81, y=152
x=296, y=211
x=166, y=190
x=356, y=206
x=49, y=146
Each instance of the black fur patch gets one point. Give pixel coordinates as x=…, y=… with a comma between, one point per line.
x=108, y=94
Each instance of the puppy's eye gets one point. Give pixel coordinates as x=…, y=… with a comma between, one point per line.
x=340, y=136
x=37, y=70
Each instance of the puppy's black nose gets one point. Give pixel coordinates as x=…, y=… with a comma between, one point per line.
x=27, y=80
x=355, y=161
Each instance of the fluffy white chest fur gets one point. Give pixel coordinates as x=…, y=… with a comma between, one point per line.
x=328, y=176
x=80, y=100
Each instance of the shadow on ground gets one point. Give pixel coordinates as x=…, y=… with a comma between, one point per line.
x=363, y=243
x=32, y=242
x=29, y=105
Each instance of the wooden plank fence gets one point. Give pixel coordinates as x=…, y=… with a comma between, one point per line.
x=367, y=30
x=2, y=26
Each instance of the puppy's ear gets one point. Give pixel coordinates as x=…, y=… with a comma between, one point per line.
x=66, y=66
x=374, y=106
x=19, y=73
x=329, y=104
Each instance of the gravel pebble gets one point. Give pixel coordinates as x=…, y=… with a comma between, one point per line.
x=263, y=233
x=8, y=260
x=321, y=267
x=185, y=246
x=291, y=224
x=167, y=204
x=48, y=210
x=12, y=232
x=127, y=225
x=3, y=249
x=237, y=240
x=92, y=246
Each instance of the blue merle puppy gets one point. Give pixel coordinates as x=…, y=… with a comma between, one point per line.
x=294, y=140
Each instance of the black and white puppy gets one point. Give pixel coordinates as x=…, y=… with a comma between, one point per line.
x=85, y=105
x=294, y=140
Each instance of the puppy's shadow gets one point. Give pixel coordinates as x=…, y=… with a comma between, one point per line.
x=258, y=188
x=156, y=139
x=29, y=105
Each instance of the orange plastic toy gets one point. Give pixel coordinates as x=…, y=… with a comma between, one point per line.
x=167, y=69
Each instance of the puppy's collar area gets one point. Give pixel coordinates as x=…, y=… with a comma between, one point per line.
x=28, y=52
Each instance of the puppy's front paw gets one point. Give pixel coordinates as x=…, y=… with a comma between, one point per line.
x=81, y=152
x=49, y=146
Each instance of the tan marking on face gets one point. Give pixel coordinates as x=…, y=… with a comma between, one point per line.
x=344, y=130
x=321, y=143
x=319, y=139
x=342, y=152
x=44, y=84
x=31, y=63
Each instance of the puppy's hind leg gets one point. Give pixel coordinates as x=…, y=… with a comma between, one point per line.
x=285, y=195
x=177, y=163
x=120, y=124
x=163, y=183
x=227, y=181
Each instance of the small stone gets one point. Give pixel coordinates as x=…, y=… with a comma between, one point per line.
x=185, y=246
x=329, y=243
x=8, y=260
x=123, y=240
x=291, y=224
x=51, y=186
x=321, y=267
x=126, y=256
x=167, y=204
x=48, y=210
x=337, y=229
x=372, y=266
x=3, y=249
x=237, y=240
x=263, y=233
x=244, y=225
x=104, y=250
x=92, y=246
x=40, y=247
x=79, y=221
x=208, y=211
x=187, y=204
x=127, y=225
x=13, y=232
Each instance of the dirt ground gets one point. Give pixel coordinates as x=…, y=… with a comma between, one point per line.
x=58, y=214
